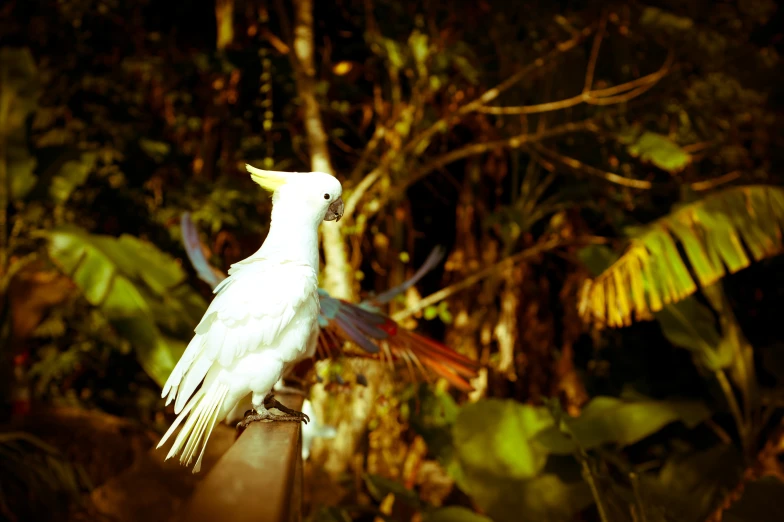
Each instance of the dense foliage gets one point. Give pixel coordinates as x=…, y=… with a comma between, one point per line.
x=606, y=178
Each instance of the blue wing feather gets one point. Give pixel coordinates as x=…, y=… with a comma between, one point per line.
x=435, y=257
x=190, y=238
x=363, y=324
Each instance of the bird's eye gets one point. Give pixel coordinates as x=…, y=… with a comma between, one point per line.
x=326, y=196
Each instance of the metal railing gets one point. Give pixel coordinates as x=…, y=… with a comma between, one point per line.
x=258, y=479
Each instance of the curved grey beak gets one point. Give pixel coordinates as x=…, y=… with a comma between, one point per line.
x=335, y=211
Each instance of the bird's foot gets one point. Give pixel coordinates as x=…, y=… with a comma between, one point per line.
x=271, y=402
x=252, y=416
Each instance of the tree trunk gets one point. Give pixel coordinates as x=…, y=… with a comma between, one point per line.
x=337, y=280
x=333, y=456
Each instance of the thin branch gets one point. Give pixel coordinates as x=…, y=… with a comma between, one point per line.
x=359, y=191
x=493, y=93
x=285, y=24
x=642, y=80
x=574, y=164
x=537, y=108
x=336, y=267
x=594, y=58
x=369, y=149
x=471, y=280
x=607, y=96
x=708, y=184
x=514, y=142
x=580, y=166
x=352, y=200
x=454, y=117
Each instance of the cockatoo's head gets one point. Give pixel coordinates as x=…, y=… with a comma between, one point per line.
x=311, y=192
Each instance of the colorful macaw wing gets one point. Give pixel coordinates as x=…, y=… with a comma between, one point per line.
x=362, y=324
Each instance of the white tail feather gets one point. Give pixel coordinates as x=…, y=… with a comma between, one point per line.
x=202, y=412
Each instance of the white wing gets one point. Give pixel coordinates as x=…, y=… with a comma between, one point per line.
x=265, y=294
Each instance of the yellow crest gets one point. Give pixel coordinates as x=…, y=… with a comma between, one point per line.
x=267, y=179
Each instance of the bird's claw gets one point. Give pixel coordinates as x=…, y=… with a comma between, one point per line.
x=253, y=416
x=269, y=403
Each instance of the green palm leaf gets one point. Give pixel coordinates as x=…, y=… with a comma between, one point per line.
x=719, y=234
x=142, y=292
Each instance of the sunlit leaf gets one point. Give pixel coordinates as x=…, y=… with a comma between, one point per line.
x=720, y=233
x=608, y=420
x=494, y=436
x=72, y=175
x=497, y=463
x=653, y=16
x=660, y=151
x=395, y=53
x=156, y=150
x=341, y=68
x=418, y=43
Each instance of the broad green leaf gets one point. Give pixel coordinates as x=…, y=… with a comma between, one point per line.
x=72, y=175
x=134, y=285
x=607, y=420
x=688, y=324
x=719, y=233
x=497, y=463
x=660, y=151
x=19, y=91
x=142, y=259
x=494, y=437
x=453, y=514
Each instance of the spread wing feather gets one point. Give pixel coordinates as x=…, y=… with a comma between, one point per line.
x=250, y=309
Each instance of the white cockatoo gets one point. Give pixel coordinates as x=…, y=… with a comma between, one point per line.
x=262, y=321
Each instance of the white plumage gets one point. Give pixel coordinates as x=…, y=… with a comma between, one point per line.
x=263, y=319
